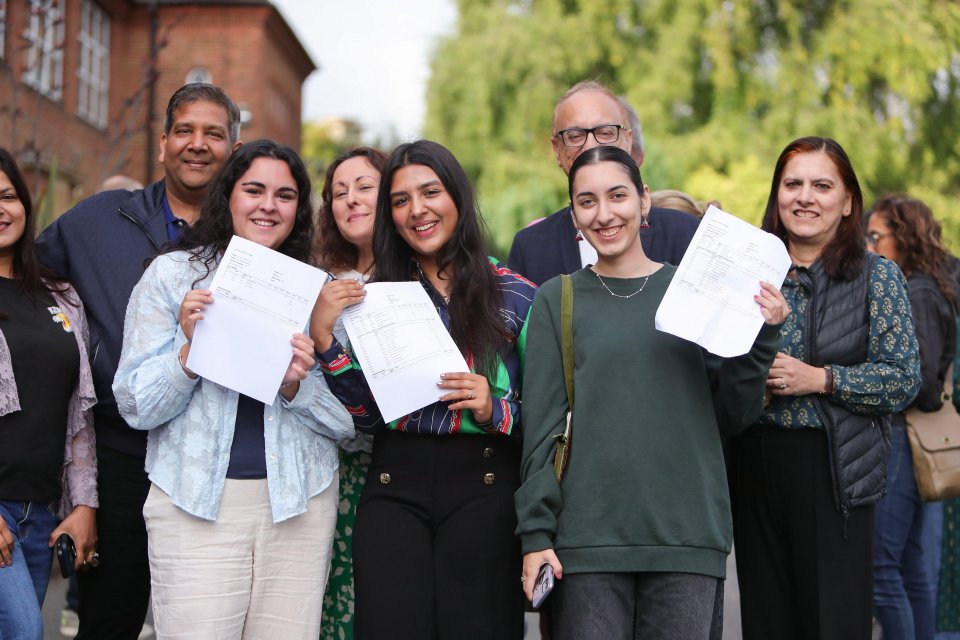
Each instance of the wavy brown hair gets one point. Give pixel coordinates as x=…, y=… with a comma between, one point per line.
x=844, y=255
x=917, y=236
x=332, y=250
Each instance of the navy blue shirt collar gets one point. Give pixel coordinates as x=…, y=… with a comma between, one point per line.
x=174, y=224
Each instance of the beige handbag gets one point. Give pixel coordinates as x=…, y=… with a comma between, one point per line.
x=935, y=445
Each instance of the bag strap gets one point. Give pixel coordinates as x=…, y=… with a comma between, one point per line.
x=566, y=333
x=947, y=396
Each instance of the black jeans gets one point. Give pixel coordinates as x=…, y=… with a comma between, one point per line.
x=115, y=595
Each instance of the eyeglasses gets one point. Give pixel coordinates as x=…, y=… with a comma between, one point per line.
x=874, y=237
x=603, y=134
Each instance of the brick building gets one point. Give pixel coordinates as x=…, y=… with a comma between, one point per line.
x=82, y=97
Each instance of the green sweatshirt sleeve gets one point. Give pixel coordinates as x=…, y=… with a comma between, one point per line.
x=539, y=499
x=738, y=384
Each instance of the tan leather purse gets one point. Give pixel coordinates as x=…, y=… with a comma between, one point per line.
x=935, y=445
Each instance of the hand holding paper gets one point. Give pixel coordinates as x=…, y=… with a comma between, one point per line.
x=191, y=310
x=401, y=345
x=712, y=299
x=335, y=296
x=300, y=365
x=469, y=391
x=259, y=299
x=773, y=306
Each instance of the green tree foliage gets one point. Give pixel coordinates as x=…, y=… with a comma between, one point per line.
x=720, y=87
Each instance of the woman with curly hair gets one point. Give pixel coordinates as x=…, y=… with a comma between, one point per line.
x=241, y=511
x=903, y=229
x=345, y=250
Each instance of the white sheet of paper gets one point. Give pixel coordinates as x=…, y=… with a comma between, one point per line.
x=402, y=346
x=710, y=300
x=260, y=299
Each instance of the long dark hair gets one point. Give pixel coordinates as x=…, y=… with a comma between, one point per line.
x=476, y=322
x=333, y=251
x=34, y=279
x=209, y=236
x=844, y=255
x=916, y=234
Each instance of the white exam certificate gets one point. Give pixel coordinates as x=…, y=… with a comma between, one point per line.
x=260, y=299
x=402, y=346
x=710, y=300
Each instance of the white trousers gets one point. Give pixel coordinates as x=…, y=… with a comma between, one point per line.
x=242, y=576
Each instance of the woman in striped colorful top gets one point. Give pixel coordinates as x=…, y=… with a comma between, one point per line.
x=435, y=553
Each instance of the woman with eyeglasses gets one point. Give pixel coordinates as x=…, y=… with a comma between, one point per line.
x=805, y=478
x=903, y=229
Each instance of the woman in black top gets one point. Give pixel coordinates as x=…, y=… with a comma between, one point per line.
x=47, y=454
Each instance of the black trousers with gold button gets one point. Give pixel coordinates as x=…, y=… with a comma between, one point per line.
x=435, y=555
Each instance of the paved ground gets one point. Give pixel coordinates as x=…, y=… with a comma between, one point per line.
x=731, y=608
x=56, y=594
x=56, y=597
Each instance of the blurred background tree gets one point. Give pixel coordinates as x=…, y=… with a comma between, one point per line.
x=720, y=88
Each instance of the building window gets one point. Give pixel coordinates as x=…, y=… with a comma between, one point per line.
x=3, y=26
x=94, y=71
x=44, y=36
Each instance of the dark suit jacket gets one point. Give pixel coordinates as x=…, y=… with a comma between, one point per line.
x=549, y=248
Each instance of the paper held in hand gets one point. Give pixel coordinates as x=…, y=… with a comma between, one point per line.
x=260, y=299
x=710, y=299
x=402, y=346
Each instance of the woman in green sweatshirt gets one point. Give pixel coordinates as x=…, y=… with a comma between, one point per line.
x=640, y=527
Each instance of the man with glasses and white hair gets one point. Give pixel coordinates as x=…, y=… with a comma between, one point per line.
x=590, y=115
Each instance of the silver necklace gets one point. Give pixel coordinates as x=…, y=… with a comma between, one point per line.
x=618, y=295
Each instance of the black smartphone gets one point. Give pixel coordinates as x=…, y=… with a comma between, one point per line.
x=66, y=555
x=543, y=586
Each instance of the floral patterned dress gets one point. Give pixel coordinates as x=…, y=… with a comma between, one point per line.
x=354, y=459
x=338, y=600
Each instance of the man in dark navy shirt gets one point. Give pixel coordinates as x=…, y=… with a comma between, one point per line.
x=550, y=247
x=102, y=246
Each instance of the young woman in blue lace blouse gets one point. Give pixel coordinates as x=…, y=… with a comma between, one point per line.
x=434, y=549
x=242, y=505
x=805, y=479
